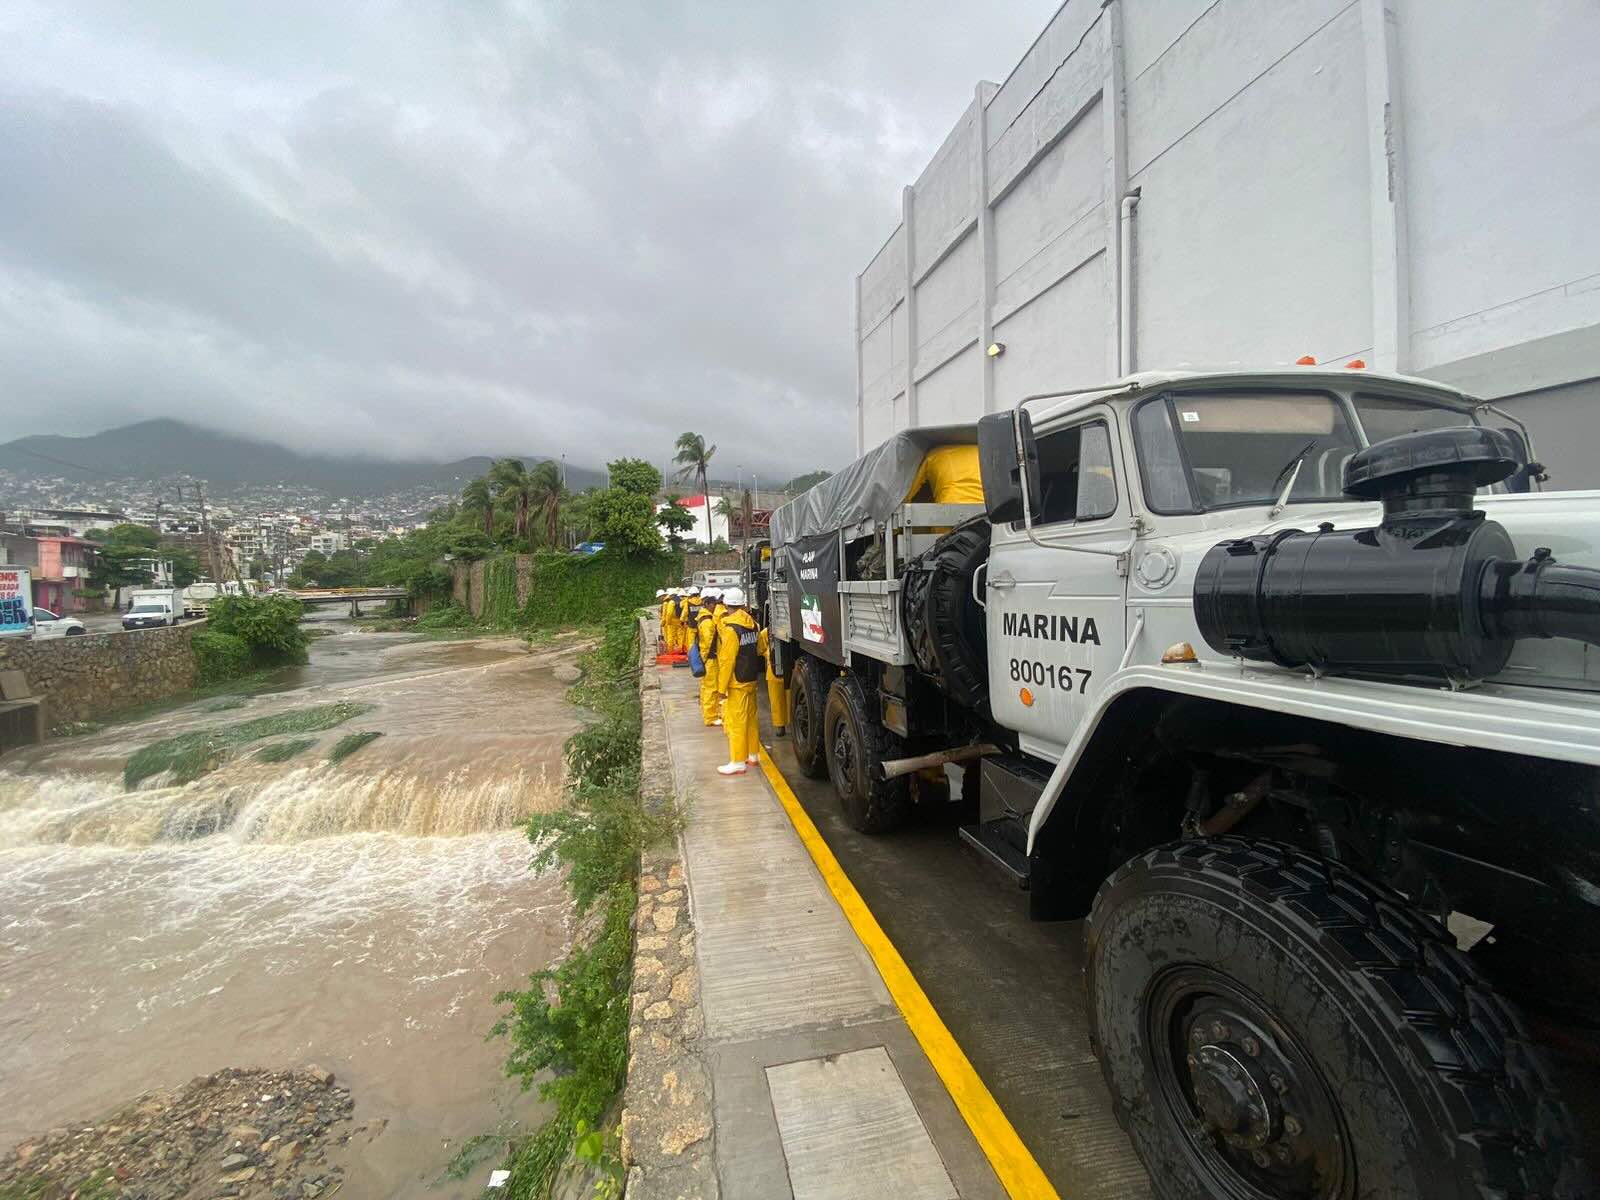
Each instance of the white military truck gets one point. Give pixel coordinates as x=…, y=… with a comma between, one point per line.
x=1283, y=680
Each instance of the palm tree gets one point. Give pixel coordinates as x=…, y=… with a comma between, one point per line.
x=693, y=458
x=512, y=482
x=546, y=492
x=477, y=497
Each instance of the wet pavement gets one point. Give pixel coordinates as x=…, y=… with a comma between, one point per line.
x=1009, y=989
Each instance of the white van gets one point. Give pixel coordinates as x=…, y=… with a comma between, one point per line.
x=718, y=579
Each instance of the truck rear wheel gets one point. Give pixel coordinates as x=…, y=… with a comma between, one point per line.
x=806, y=700
x=1273, y=1025
x=857, y=746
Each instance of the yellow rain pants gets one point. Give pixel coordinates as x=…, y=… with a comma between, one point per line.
x=777, y=688
x=739, y=717
x=706, y=632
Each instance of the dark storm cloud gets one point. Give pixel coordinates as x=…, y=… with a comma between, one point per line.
x=418, y=230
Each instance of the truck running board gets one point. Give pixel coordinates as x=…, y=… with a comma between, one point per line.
x=997, y=843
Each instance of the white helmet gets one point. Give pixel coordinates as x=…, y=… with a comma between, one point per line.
x=693, y=590
x=660, y=592
x=733, y=597
x=710, y=593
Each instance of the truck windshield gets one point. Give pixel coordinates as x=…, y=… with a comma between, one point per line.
x=1225, y=449
x=148, y=608
x=1384, y=417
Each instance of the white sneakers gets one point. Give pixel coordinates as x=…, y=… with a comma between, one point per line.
x=716, y=723
x=753, y=759
x=732, y=768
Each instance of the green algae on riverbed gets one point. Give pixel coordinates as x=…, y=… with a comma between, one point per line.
x=283, y=751
x=350, y=743
x=190, y=755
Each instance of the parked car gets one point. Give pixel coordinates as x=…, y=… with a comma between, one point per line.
x=47, y=624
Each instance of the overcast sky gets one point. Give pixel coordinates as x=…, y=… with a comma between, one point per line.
x=440, y=228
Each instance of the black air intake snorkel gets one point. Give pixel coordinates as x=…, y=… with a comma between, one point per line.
x=1435, y=591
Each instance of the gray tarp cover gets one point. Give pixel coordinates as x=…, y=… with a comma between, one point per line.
x=871, y=487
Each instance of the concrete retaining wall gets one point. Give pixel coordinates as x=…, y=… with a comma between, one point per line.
x=89, y=676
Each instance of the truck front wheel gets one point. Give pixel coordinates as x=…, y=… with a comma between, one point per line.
x=857, y=746
x=805, y=718
x=1273, y=1025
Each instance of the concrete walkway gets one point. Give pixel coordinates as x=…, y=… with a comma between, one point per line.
x=819, y=1090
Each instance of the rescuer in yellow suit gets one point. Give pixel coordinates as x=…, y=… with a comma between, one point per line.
x=680, y=611
x=664, y=601
x=953, y=474
x=777, y=690
x=689, y=615
x=739, y=669
x=706, y=633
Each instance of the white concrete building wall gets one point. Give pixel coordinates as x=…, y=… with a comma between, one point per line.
x=1405, y=181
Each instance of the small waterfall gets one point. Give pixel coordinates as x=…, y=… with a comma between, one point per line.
x=252, y=804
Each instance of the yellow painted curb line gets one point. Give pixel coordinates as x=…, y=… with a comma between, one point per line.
x=1019, y=1173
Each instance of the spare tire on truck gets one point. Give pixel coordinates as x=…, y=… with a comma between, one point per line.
x=943, y=620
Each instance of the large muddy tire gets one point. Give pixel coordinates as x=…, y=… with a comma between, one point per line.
x=1275, y=1026
x=807, y=698
x=857, y=745
x=944, y=623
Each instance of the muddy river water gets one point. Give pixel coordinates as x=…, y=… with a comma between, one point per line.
x=358, y=914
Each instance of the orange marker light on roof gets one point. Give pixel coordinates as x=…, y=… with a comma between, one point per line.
x=1305, y=360
x=1356, y=364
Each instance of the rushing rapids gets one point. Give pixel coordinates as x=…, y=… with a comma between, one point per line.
x=359, y=913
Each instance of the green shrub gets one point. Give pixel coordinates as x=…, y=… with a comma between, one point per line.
x=432, y=581
x=582, y=1036
x=269, y=625
x=574, y=589
x=445, y=616
x=218, y=656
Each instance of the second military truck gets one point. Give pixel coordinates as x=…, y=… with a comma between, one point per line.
x=1283, y=680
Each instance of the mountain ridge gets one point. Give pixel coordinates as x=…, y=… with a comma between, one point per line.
x=165, y=447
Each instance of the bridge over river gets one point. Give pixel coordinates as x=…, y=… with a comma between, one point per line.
x=354, y=597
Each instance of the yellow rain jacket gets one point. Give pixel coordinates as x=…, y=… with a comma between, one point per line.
x=953, y=474
x=705, y=632
x=739, y=669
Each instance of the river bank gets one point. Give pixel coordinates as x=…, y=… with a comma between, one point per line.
x=360, y=914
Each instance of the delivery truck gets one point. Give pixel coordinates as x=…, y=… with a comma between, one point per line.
x=1282, y=681
x=151, y=608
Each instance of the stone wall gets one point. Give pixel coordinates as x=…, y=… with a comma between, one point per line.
x=666, y=1129
x=95, y=674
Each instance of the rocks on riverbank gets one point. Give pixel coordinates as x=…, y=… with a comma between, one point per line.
x=239, y=1133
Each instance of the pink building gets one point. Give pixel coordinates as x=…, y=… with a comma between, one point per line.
x=59, y=565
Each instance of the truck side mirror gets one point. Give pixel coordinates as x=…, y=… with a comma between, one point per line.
x=1004, y=471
